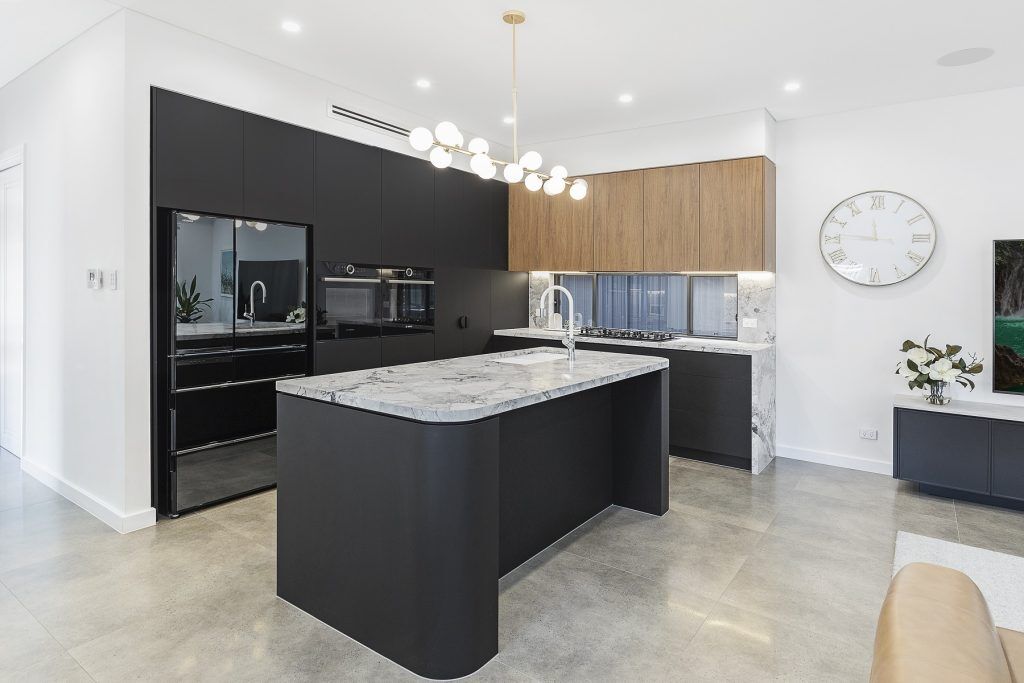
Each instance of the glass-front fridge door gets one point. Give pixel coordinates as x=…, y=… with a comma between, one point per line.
x=204, y=283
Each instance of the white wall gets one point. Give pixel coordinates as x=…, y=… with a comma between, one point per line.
x=68, y=112
x=963, y=158
x=731, y=136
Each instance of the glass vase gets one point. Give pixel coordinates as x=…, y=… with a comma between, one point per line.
x=937, y=394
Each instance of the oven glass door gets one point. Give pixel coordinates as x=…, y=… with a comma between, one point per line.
x=408, y=305
x=348, y=305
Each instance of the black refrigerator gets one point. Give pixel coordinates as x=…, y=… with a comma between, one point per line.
x=230, y=304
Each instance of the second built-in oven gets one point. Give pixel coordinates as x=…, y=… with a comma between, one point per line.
x=407, y=301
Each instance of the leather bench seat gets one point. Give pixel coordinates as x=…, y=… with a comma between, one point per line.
x=935, y=626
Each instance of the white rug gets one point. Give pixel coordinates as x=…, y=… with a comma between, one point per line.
x=999, y=576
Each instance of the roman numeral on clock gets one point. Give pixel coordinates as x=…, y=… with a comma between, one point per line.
x=922, y=237
x=915, y=257
x=837, y=256
x=899, y=273
x=832, y=239
x=873, y=276
x=878, y=202
x=838, y=222
x=918, y=217
x=852, y=206
x=897, y=209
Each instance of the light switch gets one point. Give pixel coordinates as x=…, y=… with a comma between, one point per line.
x=750, y=322
x=94, y=278
x=111, y=279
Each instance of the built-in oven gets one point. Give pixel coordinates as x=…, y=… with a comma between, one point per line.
x=348, y=300
x=407, y=305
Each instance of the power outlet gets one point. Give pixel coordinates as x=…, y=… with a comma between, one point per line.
x=871, y=434
x=750, y=322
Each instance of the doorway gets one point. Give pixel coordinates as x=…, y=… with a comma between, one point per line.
x=12, y=297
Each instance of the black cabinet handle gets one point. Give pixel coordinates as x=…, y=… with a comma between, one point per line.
x=463, y=322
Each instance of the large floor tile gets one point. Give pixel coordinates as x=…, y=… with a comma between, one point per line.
x=738, y=645
x=18, y=489
x=81, y=596
x=870, y=489
x=830, y=522
x=991, y=528
x=24, y=643
x=676, y=549
x=253, y=517
x=564, y=617
x=47, y=529
x=829, y=590
x=735, y=500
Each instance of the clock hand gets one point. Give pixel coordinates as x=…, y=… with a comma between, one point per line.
x=868, y=238
x=874, y=229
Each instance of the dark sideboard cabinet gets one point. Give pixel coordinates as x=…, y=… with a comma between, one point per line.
x=957, y=455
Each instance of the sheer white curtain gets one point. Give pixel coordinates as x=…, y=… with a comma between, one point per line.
x=714, y=306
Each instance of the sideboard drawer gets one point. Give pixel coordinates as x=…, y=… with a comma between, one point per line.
x=944, y=450
x=1008, y=460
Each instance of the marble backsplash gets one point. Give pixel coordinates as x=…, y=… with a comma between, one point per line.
x=755, y=299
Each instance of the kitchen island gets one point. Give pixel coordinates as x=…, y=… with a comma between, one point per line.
x=406, y=492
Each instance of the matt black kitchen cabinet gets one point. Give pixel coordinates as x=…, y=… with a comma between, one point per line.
x=407, y=211
x=464, y=217
x=345, y=355
x=197, y=154
x=406, y=348
x=462, y=320
x=1008, y=460
x=278, y=170
x=348, y=201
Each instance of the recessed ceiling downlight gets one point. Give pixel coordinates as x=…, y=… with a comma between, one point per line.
x=625, y=98
x=422, y=83
x=792, y=86
x=971, y=55
x=291, y=26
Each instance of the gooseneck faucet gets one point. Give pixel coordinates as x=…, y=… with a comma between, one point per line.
x=570, y=336
x=250, y=315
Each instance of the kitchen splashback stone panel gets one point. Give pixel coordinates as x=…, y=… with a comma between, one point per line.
x=756, y=299
x=538, y=283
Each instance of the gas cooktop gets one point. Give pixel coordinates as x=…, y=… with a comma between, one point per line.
x=636, y=335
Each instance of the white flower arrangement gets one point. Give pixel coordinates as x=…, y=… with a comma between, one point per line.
x=297, y=316
x=926, y=365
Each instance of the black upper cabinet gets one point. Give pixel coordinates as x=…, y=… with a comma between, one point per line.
x=463, y=216
x=407, y=211
x=499, y=226
x=348, y=201
x=197, y=154
x=279, y=166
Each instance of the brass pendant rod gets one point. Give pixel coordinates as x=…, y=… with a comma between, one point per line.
x=515, y=102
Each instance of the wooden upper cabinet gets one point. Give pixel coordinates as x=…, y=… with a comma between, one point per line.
x=737, y=215
x=619, y=221
x=672, y=218
x=550, y=233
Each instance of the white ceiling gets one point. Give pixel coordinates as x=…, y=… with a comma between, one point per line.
x=680, y=60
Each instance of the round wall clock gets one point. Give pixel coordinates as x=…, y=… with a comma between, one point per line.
x=877, y=238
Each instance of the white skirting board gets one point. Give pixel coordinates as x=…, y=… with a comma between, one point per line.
x=837, y=459
x=97, y=508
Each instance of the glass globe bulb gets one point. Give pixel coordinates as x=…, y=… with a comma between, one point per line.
x=479, y=146
x=421, y=139
x=488, y=172
x=533, y=182
x=440, y=157
x=531, y=161
x=447, y=133
x=559, y=171
x=513, y=173
x=554, y=186
x=478, y=163
x=578, y=189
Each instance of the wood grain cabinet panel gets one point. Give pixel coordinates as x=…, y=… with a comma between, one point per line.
x=672, y=218
x=619, y=221
x=731, y=215
x=550, y=233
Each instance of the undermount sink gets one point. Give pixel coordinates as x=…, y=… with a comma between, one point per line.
x=531, y=358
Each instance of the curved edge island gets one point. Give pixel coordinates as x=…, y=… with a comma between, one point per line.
x=405, y=493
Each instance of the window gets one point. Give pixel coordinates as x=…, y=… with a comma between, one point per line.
x=701, y=305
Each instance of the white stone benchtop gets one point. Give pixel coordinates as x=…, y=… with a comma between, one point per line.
x=677, y=344
x=469, y=388
x=992, y=411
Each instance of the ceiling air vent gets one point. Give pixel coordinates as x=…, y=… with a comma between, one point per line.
x=336, y=112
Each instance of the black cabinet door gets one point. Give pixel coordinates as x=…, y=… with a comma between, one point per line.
x=499, y=226
x=197, y=154
x=510, y=295
x=448, y=311
x=407, y=211
x=279, y=161
x=462, y=214
x=345, y=355
x=406, y=348
x=1008, y=459
x=476, y=309
x=942, y=449
x=348, y=201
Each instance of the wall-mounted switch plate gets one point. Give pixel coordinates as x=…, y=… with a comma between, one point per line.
x=871, y=434
x=94, y=278
x=111, y=279
x=750, y=322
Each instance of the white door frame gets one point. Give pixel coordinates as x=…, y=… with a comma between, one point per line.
x=10, y=159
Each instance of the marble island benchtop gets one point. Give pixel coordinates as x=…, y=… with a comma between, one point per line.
x=678, y=344
x=469, y=388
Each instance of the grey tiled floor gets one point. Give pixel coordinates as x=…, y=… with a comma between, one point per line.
x=778, y=576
